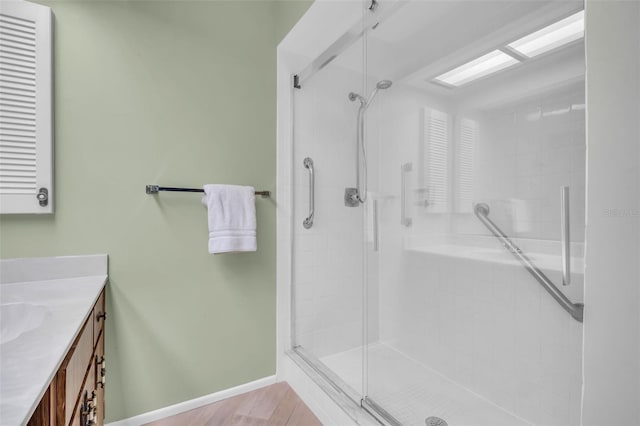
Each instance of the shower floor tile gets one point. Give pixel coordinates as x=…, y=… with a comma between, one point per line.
x=411, y=392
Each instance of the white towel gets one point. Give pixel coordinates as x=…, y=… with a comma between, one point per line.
x=231, y=217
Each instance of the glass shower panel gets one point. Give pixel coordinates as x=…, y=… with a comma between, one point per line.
x=327, y=256
x=484, y=124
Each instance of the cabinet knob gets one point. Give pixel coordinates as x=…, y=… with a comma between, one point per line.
x=43, y=197
x=101, y=315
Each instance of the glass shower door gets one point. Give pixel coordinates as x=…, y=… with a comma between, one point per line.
x=470, y=151
x=327, y=256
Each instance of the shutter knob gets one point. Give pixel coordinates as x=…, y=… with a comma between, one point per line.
x=43, y=197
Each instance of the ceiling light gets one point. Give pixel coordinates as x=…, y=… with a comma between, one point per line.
x=484, y=65
x=552, y=36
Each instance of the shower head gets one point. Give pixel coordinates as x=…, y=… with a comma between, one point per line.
x=382, y=84
x=364, y=103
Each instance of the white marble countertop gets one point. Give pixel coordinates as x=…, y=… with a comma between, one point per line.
x=40, y=320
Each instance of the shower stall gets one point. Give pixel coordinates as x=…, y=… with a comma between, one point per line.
x=436, y=221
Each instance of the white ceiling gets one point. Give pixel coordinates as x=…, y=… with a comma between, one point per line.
x=421, y=39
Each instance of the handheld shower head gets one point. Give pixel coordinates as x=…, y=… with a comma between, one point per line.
x=384, y=84
x=381, y=85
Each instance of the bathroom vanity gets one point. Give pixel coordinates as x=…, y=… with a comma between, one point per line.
x=52, y=340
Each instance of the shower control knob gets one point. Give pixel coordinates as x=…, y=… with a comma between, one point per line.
x=351, y=197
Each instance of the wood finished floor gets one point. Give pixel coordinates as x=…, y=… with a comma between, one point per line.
x=274, y=405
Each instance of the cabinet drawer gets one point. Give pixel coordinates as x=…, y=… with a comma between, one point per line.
x=76, y=368
x=99, y=316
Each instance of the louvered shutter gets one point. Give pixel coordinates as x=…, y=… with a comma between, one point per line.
x=464, y=165
x=436, y=160
x=26, y=126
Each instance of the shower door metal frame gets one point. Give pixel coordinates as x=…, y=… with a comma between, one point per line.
x=377, y=14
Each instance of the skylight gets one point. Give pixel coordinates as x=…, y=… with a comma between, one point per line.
x=552, y=36
x=544, y=40
x=484, y=65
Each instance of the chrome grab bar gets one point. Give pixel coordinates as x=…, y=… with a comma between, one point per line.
x=565, y=237
x=376, y=243
x=481, y=210
x=308, y=222
x=404, y=220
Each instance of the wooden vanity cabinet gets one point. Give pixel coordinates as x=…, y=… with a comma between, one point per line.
x=75, y=396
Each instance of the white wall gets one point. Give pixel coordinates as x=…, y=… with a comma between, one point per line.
x=612, y=324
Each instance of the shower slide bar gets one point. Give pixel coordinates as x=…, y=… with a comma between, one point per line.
x=481, y=210
x=154, y=189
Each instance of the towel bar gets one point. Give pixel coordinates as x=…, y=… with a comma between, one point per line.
x=154, y=189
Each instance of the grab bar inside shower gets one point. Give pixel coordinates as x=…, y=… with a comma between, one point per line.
x=564, y=235
x=481, y=210
x=308, y=221
x=404, y=220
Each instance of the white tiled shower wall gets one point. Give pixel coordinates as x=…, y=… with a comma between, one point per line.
x=486, y=323
x=525, y=154
x=494, y=330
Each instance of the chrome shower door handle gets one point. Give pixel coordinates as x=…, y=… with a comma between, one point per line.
x=404, y=220
x=565, y=235
x=308, y=222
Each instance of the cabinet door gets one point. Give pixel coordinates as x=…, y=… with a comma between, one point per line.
x=99, y=317
x=71, y=376
x=85, y=410
x=100, y=372
x=26, y=125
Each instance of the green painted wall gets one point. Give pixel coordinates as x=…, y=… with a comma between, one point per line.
x=175, y=93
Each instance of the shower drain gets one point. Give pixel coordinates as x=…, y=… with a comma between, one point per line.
x=434, y=421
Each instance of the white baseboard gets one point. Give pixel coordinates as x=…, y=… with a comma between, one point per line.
x=181, y=407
